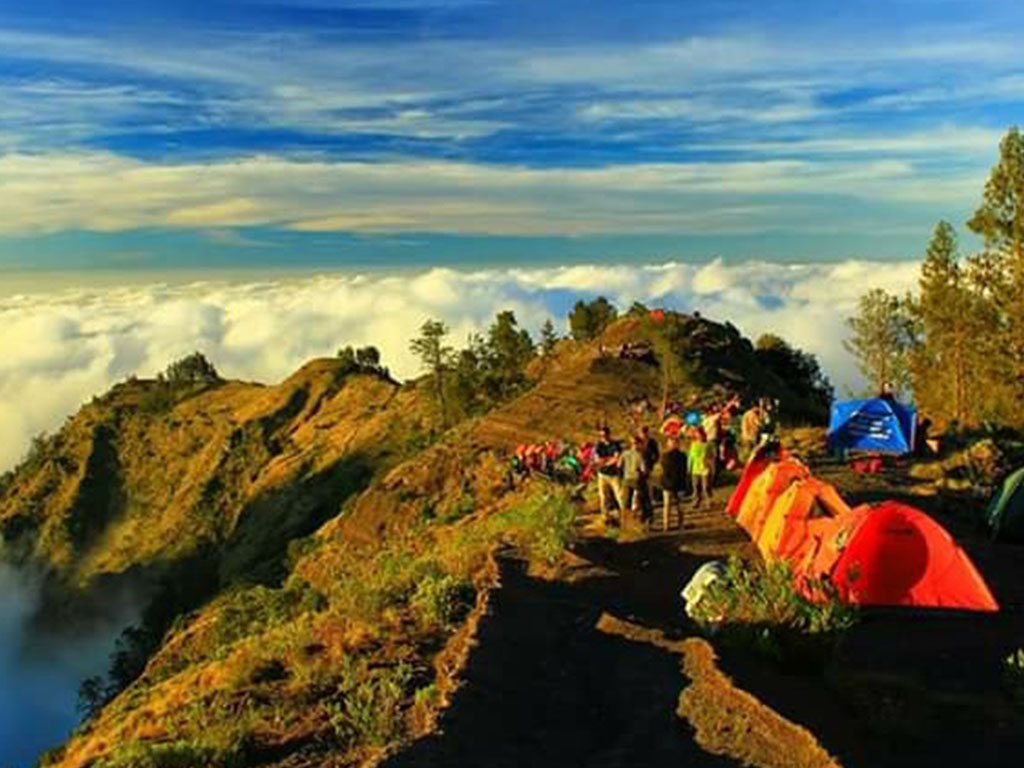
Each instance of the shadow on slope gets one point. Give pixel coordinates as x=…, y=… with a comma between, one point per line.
x=545, y=687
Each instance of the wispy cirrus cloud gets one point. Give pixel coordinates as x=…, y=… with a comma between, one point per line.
x=105, y=192
x=438, y=87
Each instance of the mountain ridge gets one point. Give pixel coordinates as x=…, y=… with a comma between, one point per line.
x=318, y=510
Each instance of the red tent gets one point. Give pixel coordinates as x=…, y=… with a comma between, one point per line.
x=898, y=555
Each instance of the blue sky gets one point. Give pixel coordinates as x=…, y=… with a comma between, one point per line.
x=152, y=133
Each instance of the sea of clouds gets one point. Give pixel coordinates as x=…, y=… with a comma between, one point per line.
x=58, y=349
x=40, y=673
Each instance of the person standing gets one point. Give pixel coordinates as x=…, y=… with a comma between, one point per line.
x=699, y=459
x=766, y=429
x=609, y=453
x=711, y=426
x=633, y=471
x=651, y=453
x=750, y=429
x=673, y=481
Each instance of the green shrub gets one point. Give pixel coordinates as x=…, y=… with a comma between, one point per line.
x=157, y=398
x=1013, y=675
x=247, y=612
x=371, y=712
x=418, y=440
x=443, y=600
x=37, y=453
x=191, y=369
x=428, y=696
x=300, y=548
x=385, y=581
x=457, y=509
x=178, y=754
x=758, y=608
x=543, y=526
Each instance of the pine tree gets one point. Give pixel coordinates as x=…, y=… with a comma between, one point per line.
x=436, y=357
x=470, y=369
x=510, y=349
x=945, y=312
x=191, y=369
x=998, y=272
x=588, y=319
x=884, y=336
x=548, y=337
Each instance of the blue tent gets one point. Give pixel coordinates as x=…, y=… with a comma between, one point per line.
x=880, y=425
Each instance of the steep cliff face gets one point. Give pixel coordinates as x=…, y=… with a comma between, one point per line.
x=232, y=472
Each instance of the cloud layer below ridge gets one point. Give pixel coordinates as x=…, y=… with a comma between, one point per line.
x=58, y=349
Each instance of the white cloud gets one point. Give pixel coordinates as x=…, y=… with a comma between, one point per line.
x=430, y=88
x=41, y=672
x=963, y=140
x=58, y=349
x=701, y=110
x=105, y=192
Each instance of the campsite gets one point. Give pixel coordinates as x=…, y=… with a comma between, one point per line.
x=511, y=384
x=918, y=679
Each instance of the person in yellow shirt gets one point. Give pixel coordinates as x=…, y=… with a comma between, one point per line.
x=700, y=460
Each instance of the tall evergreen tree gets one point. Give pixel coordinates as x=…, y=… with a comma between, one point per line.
x=436, y=357
x=548, y=337
x=588, y=319
x=883, y=338
x=998, y=272
x=511, y=346
x=947, y=318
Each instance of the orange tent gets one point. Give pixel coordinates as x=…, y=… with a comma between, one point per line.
x=825, y=539
x=787, y=527
x=751, y=471
x=762, y=458
x=764, y=490
x=894, y=555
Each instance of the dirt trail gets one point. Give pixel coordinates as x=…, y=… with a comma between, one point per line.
x=546, y=687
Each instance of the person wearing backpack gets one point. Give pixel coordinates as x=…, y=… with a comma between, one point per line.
x=608, y=453
x=634, y=471
x=673, y=481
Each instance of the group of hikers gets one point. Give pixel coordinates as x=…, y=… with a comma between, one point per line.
x=699, y=445
x=637, y=350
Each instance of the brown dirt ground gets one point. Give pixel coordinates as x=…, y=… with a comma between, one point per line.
x=587, y=668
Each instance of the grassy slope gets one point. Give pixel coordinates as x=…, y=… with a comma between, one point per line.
x=350, y=658
x=238, y=468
